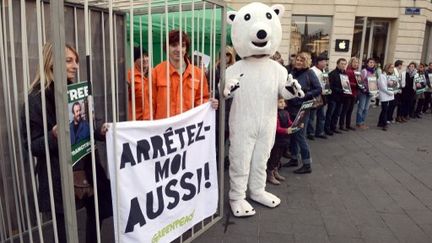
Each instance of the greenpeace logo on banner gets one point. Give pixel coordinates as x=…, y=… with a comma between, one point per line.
x=163, y=176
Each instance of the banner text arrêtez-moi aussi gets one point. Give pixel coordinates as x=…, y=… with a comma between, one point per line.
x=165, y=174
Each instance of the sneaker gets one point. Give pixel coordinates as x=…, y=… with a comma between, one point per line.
x=310, y=137
x=291, y=163
x=351, y=128
x=343, y=129
x=305, y=169
x=336, y=131
x=384, y=128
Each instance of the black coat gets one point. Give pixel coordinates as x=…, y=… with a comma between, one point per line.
x=336, y=85
x=38, y=151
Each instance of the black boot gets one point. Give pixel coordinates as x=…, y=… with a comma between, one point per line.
x=305, y=169
x=291, y=163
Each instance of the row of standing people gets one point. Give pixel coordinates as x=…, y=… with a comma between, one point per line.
x=346, y=86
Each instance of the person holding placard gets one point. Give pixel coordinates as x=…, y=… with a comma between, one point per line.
x=336, y=77
x=421, y=86
x=397, y=71
x=428, y=94
x=408, y=90
x=83, y=197
x=368, y=77
x=386, y=95
x=349, y=100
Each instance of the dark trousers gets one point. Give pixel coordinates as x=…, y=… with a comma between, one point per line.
x=420, y=103
x=383, y=115
x=91, y=235
x=393, y=104
x=407, y=105
x=427, y=102
x=275, y=156
x=347, y=109
x=332, y=115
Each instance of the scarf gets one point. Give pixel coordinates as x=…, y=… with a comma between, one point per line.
x=370, y=70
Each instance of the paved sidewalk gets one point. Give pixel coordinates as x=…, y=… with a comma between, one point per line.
x=366, y=186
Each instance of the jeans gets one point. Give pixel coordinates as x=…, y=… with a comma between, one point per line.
x=310, y=130
x=298, y=142
x=383, y=115
x=347, y=109
x=362, y=108
x=320, y=120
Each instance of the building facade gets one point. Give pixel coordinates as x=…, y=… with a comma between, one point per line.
x=384, y=29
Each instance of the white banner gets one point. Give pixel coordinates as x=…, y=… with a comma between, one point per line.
x=163, y=175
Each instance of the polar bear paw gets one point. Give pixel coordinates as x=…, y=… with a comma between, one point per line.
x=266, y=199
x=241, y=208
x=294, y=87
x=231, y=85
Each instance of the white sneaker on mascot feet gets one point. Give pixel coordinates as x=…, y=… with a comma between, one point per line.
x=266, y=199
x=241, y=208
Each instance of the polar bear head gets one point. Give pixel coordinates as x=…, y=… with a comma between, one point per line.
x=256, y=29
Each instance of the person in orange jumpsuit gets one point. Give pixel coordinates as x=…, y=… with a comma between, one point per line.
x=141, y=87
x=186, y=83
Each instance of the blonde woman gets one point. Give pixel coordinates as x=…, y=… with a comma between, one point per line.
x=38, y=149
x=312, y=88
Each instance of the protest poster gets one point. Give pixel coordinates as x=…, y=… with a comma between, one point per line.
x=298, y=122
x=420, y=83
x=360, y=82
x=163, y=175
x=393, y=83
x=201, y=59
x=372, y=85
x=325, y=85
x=346, y=87
x=78, y=120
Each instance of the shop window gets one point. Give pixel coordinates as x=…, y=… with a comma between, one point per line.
x=310, y=34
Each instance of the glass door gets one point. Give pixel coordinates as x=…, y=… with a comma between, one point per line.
x=371, y=39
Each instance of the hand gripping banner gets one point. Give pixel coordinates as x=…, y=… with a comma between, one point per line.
x=163, y=175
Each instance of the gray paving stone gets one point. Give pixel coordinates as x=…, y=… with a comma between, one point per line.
x=344, y=239
x=405, y=229
x=276, y=238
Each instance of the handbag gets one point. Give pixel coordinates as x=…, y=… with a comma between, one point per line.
x=82, y=186
x=318, y=101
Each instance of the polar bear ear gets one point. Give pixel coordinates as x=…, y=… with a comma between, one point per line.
x=279, y=9
x=231, y=16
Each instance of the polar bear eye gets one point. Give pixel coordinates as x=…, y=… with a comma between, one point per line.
x=269, y=16
x=247, y=17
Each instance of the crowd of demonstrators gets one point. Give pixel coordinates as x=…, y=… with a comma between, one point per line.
x=82, y=169
x=397, y=90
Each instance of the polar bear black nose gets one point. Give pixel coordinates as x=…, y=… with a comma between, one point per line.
x=261, y=34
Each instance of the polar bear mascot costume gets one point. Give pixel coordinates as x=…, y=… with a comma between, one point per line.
x=254, y=83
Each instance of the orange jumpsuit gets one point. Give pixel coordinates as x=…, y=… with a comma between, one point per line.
x=191, y=89
x=140, y=112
